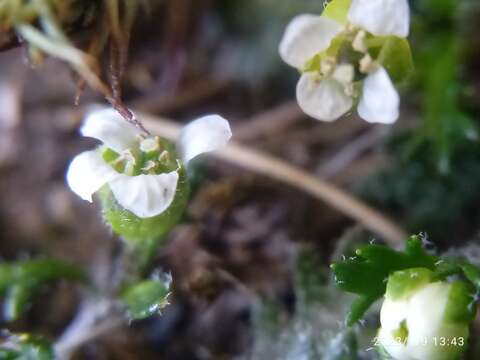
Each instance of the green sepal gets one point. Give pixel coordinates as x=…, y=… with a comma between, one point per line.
x=146, y=298
x=337, y=10
x=313, y=65
x=401, y=284
x=144, y=235
x=26, y=347
x=21, y=281
x=396, y=57
x=461, y=306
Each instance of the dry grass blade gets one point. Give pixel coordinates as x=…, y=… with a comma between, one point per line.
x=280, y=170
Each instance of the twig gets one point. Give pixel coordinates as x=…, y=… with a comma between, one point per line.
x=278, y=169
x=270, y=121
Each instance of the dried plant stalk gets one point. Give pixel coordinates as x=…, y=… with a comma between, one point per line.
x=49, y=27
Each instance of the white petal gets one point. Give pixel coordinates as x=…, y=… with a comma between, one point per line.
x=145, y=195
x=397, y=350
x=323, y=99
x=380, y=101
x=202, y=135
x=381, y=17
x=305, y=36
x=424, y=321
x=108, y=126
x=87, y=173
x=391, y=316
x=393, y=313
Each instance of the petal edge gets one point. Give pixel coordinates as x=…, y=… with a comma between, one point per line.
x=87, y=173
x=381, y=17
x=305, y=36
x=145, y=195
x=204, y=134
x=108, y=126
x=380, y=101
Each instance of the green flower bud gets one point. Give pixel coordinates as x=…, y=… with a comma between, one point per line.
x=425, y=319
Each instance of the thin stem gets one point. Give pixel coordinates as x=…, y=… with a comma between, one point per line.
x=280, y=170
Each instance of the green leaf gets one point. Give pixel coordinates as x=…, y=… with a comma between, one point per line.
x=21, y=281
x=26, y=347
x=17, y=301
x=396, y=57
x=337, y=10
x=472, y=273
x=146, y=298
x=350, y=276
x=366, y=274
x=359, y=308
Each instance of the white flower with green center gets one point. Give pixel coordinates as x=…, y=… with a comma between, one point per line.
x=314, y=44
x=423, y=318
x=144, y=173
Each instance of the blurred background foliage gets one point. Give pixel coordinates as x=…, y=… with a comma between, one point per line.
x=250, y=260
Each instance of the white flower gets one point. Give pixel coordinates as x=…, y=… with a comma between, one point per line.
x=142, y=172
x=319, y=93
x=381, y=17
x=424, y=320
x=301, y=40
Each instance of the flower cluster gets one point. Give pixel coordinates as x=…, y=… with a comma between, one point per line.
x=143, y=172
x=425, y=319
x=339, y=55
